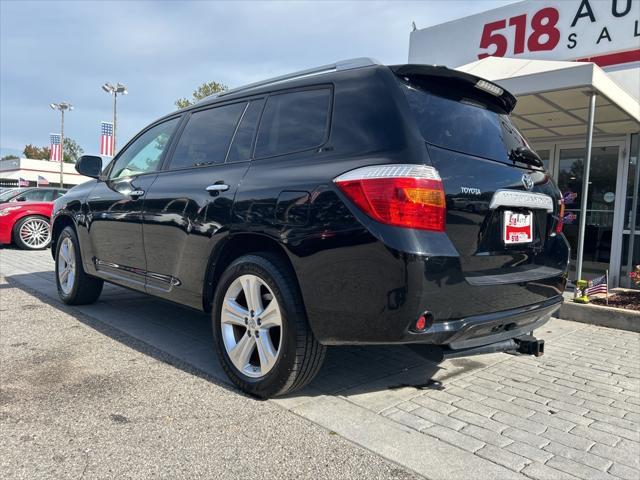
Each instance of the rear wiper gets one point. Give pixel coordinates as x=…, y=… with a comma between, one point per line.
x=525, y=155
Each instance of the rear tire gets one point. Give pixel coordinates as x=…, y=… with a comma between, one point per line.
x=32, y=232
x=266, y=331
x=75, y=287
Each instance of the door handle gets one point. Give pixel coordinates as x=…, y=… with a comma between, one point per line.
x=136, y=193
x=218, y=187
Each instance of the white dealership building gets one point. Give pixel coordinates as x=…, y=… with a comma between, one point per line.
x=32, y=173
x=574, y=66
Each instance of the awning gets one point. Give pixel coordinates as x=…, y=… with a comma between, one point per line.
x=561, y=99
x=553, y=97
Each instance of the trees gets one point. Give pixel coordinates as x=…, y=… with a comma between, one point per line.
x=72, y=151
x=36, y=153
x=201, y=92
x=10, y=157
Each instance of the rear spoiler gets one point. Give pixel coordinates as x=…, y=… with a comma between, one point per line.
x=489, y=91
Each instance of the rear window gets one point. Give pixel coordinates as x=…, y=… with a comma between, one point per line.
x=448, y=119
x=293, y=121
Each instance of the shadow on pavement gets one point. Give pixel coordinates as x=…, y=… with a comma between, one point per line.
x=182, y=337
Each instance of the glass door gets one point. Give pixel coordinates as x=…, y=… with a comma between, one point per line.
x=628, y=261
x=599, y=241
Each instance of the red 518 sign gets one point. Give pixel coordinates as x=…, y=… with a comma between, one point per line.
x=544, y=35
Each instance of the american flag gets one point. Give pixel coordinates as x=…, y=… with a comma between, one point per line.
x=56, y=151
x=598, y=285
x=23, y=182
x=106, y=139
x=42, y=180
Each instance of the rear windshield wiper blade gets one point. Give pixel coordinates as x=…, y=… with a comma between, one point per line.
x=525, y=155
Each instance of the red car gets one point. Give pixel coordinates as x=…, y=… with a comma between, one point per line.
x=26, y=224
x=24, y=216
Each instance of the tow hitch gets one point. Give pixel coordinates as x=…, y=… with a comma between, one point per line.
x=524, y=344
x=530, y=345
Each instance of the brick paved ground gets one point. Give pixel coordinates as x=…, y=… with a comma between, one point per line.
x=574, y=413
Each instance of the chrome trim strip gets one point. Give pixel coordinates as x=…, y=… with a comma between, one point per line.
x=523, y=275
x=167, y=279
x=518, y=198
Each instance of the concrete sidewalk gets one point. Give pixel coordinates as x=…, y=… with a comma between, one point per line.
x=574, y=413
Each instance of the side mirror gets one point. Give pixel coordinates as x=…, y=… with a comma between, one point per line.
x=89, y=166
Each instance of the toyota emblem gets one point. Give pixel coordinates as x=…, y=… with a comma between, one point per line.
x=527, y=181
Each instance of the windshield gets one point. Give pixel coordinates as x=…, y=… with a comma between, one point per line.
x=453, y=119
x=9, y=194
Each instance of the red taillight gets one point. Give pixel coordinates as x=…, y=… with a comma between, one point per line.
x=560, y=221
x=408, y=196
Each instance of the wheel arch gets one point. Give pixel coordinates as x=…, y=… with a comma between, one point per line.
x=232, y=247
x=59, y=224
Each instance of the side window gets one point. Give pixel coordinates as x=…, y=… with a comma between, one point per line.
x=293, y=121
x=144, y=154
x=36, y=195
x=49, y=196
x=205, y=140
x=240, y=149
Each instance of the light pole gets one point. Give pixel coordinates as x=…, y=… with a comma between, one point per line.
x=62, y=106
x=115, y=90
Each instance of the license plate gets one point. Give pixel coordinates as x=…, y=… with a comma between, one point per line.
x=518, y=227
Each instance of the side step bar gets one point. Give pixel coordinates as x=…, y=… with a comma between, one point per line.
x=525, y=344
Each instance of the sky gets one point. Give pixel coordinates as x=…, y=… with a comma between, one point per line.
x=54, y=51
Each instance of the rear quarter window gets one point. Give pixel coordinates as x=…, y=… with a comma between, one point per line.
x=294, y=121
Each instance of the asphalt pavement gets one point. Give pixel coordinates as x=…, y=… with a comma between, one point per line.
x=81, y=401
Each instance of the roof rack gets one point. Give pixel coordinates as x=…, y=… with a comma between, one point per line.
x=334, y=67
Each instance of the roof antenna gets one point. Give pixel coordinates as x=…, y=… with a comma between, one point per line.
x=413, y=26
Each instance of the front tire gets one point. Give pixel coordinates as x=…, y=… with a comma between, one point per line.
x=75, y=287
x=260, y=328
x=32, y=233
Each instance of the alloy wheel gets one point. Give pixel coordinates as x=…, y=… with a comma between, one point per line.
x=35, y=233
x=66, y=265
x=251, y=324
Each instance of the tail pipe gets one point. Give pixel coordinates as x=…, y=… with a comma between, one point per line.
x=525, y=344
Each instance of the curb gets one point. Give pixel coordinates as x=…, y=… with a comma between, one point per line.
x=599, y=315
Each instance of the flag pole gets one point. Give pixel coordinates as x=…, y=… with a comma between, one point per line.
x=115, y=104
x=607, y=280
x=62, y=106
x=62, y=150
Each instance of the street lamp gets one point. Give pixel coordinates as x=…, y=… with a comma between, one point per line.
x=115, y=90
x=62, y=106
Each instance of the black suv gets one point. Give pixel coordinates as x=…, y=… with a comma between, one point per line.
x=354, y=203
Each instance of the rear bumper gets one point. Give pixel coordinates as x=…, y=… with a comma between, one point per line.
x=490, y=328
x=372, y=294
